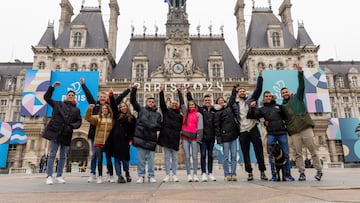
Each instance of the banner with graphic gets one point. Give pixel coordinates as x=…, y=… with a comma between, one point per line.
x=10, y=133
x=316, y=88
x=71, y=81
x=35, y=86
x=348, y=131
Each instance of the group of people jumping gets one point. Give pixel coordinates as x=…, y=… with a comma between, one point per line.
x=113, y=128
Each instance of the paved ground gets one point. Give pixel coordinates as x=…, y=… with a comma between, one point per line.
x=337, y=185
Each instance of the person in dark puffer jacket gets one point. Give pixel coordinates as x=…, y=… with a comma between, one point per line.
x=145, y=135
x=65, y=118
x=276, y=130
x=169, y=136
x=226, y=128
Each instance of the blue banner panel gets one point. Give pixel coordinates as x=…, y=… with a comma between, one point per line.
x=71, y=81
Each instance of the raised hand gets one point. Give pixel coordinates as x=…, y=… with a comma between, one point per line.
x=56, y=84
x=260, y=70
x=298, y=67
x=82, y=80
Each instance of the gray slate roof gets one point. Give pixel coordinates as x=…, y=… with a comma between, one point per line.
x=154, y=49
x=341, y=68
x=256, y=36
x=48, y=38
x=11, y=70
x=303, y=37
x=96, y=33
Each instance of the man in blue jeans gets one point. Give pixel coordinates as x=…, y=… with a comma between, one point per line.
x=276, y=130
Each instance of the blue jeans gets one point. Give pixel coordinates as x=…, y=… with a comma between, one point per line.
x=186, y=146
x=174, y=158
x=283, y=141
x=229, y=148
x=118, y=163
x=143, y=155
x=206, y=147
x=93, y=159
x=54, y=146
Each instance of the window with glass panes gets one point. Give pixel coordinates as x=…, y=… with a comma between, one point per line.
x=77, y=39
x=276, y=39
x=347, y=112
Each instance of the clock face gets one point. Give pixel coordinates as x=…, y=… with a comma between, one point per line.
x=178, y=68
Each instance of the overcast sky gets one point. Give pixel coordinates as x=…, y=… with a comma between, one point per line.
x=334, y=25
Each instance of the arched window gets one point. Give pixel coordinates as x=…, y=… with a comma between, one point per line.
x=276, y=39
x=279, y=66
x=74, y=67
x=41, y=65
x=310, y=64
x=354, y=81
x=77, y=39
x=93, y=67
x=57, y=68
x=261, y=64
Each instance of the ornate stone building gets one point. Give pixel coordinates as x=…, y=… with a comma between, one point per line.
x=203, y=61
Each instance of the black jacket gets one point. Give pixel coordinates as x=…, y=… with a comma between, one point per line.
x=226, y=126
x=147, y=124
x=273, y=116
x=172, y=121
x=208, y=118
x=65, y=118
x=122, y=132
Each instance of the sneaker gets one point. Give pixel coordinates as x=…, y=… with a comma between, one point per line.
x=49, y=180
x=166, y=179
x=112, y=180
x=204, y=177
x=318, y=175
x=91, y=178
x=107, y=177
x=99, y=180
x=196, y=179
x=212, y=177
x=189, y=178
x=128, y=177
x=227, y=178
x=175, y=178
x=250, y=177
x=140, y=180
x=152, y=180
x=289, y=178
x=233, y=178
x=263, y=176
x=60, y=180
x=302, y=177
x=274, y=178
x=121, y=179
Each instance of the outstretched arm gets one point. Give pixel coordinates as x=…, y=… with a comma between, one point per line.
x=163, y=106
x=113, y=104
x=49, y=93
x=133, y=101
x=89, y=96
x=123, y=95
x=258, y=89
x=301, y=88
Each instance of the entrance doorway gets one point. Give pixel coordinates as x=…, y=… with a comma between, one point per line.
x=79, y=153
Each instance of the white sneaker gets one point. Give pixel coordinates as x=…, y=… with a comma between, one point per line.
x=49, y=180
x=212, y=177
x=99, y=180
x=196, y=179
x=112, y=180
x=204, y=177
x=166, y=179
x=107, y=177
x=175, y=178
x=189, y=178
x=152, y=180
x=60, y=180
x=140, y=180
x=91, y=178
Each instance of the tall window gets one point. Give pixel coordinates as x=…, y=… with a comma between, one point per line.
x=354, y=81
x=139, y=70
x=2, y=116
x=41, y=65
x=16, y=116
x=276, y=39
x=347, y=112
x=93, y=67
x=216, y=70
x=279, y=66
x=74, y=67
x=3, y=102
x=77, y=39
x=334, y=113
x=8, y=83
x=332, y=100
x=22, y=80
x=358, y=99
x=340, y=82
x=310, y=64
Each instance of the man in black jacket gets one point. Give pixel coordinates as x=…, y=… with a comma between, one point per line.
x=208, y=140
x=65, y=118
x=145, y=135
x=276, y=130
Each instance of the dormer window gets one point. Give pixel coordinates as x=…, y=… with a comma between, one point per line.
x=77, y=39
x=276, y=39
x=340, y=81
x=216, y=70
x=354, y=81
